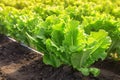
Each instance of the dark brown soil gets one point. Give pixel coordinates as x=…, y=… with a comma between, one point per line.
x=20, y=63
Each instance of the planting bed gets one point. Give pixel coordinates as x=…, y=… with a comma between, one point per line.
x=18, y=62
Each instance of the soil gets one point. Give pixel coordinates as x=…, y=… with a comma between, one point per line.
x=18, y=62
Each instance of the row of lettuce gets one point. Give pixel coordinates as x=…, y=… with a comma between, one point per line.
x=76, y=33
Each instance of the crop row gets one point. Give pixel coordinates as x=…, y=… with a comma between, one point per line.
x=72, y=32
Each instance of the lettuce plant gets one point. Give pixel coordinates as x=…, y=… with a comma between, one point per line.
x=64, y=42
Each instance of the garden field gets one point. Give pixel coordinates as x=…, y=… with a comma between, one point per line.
x=59, y=40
